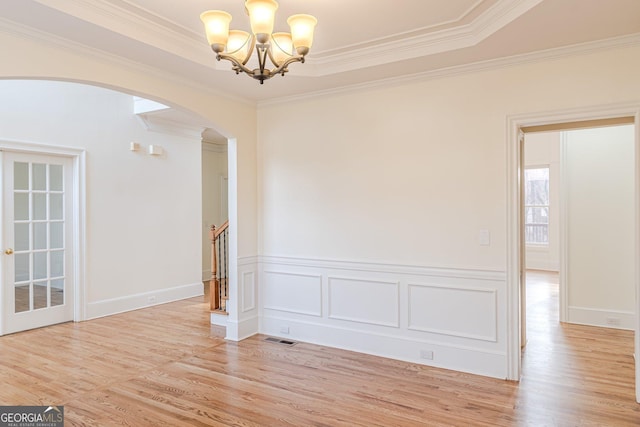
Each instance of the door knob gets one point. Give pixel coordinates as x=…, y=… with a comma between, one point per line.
x=8, y=251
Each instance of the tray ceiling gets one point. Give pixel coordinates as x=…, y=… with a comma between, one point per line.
x=357, y=41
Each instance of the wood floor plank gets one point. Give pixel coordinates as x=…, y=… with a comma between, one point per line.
x=167, y=366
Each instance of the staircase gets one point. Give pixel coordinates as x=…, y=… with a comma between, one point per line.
x=219, y=283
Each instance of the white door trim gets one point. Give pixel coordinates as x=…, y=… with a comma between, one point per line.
x=514, y=246
x=564, y=225
x=233, y=330
x=78, y=157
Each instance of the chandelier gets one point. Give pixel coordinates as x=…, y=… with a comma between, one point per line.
x=237, y=46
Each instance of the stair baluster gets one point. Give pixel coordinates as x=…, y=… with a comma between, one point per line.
x=219, y=284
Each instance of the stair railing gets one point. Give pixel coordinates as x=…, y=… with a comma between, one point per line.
x=219, y=284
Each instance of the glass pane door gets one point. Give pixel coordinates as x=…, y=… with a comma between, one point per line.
x=37, y=212
x=38, y=232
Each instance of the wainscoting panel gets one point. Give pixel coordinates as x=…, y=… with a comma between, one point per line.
x=362, y=300
x=457, y=311
x=449, y=318
x=248, y=302
x=293, y=292
x=243, y=320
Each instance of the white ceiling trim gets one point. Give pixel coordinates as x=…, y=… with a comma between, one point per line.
x=399, y=37
x=154, y=123
x=29, y=33
x=140, y=25
x=493, y=19
x=109, y=15
x=510, y=61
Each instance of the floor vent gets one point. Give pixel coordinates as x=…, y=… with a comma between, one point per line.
x=279, y=341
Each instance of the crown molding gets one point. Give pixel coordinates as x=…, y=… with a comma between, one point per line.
x=155, y=123
x=417, y=32
x=510, y=61
x=384, y=51
x=15, y=29
x=138, y=24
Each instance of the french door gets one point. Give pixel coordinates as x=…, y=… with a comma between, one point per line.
x=37, y=279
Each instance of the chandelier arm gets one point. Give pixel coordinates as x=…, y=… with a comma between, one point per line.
x=283, y=67
x=235, y=62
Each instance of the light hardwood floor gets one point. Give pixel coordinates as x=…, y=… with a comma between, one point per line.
x=166, y=366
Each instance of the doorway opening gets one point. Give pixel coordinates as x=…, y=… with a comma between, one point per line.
x=596, y=117
x=578, y=220
x=588, y=174
x=215, y=190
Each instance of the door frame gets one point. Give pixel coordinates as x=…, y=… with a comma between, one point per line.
x=515, y=245
x=78, y=157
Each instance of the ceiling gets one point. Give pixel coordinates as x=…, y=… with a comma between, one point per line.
x=356, y=41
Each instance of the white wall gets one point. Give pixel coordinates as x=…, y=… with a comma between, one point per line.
x=601, y=227
x=142, y=211
x=214, y=197
x=543, y=150
x=372, y=204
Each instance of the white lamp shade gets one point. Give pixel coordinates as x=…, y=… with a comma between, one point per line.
x=281, y=47
x=302, y=27
x=239, y=44
x=216, y=25
x=262, y=15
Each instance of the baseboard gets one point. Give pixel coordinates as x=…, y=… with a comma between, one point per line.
x=460, y=358
x=219, y=319
x=602, y=318
x=237, y=330
x=147, y=299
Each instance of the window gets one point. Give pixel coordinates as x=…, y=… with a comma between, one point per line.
x=536, y=206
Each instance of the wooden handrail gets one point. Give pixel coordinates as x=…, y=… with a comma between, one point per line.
x=220, y=230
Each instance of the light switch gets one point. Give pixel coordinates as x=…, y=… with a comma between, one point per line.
x=484, y=238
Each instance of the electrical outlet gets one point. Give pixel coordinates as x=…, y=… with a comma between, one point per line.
x=613, y=321
x=426, y=354
x=284, y=330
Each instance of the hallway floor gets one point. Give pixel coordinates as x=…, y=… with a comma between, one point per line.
x=577, y=373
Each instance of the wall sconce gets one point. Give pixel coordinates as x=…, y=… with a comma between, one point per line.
x=155, y=150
